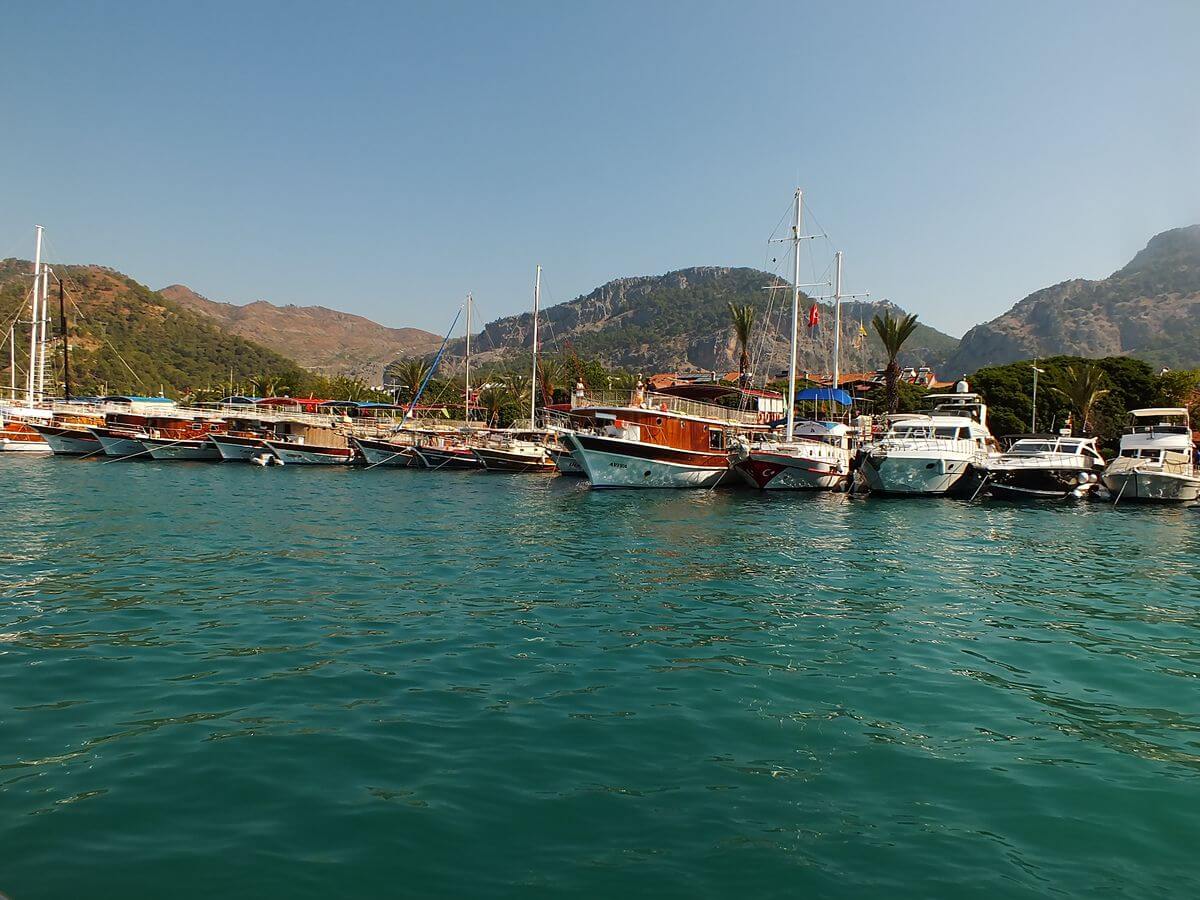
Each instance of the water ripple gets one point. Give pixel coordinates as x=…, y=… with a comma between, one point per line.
x=224, y=680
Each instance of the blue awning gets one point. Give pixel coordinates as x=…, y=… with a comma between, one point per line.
x=830, y=395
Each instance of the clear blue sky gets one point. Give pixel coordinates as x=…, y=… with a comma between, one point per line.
x=385, y=159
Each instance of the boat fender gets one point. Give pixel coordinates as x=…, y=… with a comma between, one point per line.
x=1077, y=493
x=1083, y=478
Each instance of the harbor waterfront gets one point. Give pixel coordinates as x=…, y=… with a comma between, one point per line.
x=228, y=680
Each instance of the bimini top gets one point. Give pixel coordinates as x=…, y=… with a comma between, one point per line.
x=832, y=395
x=132, y=399
x=239, y=400
x=1158, y=411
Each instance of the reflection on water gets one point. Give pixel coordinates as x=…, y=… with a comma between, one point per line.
x=324, y=679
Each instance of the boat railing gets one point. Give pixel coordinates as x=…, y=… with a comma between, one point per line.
x=651, y=401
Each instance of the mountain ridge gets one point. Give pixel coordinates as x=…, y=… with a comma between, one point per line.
x=317, y=337
x=1149, y=308
x=125, y=337
x=679, y=321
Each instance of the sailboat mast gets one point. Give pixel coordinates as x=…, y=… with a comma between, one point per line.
x=33, y=315
x=837, y=319
x=43, y=326
x=537, y=299
x=66, y=344
x=791, y=397
x=467, y=392
x=12, y=363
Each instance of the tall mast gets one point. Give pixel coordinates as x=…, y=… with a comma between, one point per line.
x=537, y=299
x=66, y=345
x=43, y=325
x=467, y=395
x=12, y=363
x=33, y=315
x=837, y=319
x=791, y=397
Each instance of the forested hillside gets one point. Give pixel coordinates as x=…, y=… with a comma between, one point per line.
x=680, y=321
x=126, y=338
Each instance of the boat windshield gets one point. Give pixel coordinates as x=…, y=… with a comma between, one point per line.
x=1032, y=447
x=911, y=431
x=1141, y=453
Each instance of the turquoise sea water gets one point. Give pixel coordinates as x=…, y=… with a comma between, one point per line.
x=226, y=681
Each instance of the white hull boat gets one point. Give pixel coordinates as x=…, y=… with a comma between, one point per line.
x=940, y=452
x=235, y=448
x=119, y=445
x=163, y=449
x=308, y=455
x=1157, y=459
x=69, y=441
x=896, y=473
x=616, y=463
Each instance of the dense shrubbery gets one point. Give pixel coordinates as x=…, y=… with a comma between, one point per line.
x=1129, y=384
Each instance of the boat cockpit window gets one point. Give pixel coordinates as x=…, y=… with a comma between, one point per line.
x=1032, y=447
x=1141, y=453
x=1159, y=428
x=911, y=431
x=948, y=433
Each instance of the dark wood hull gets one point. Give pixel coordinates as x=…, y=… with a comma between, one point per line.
x=442, y=458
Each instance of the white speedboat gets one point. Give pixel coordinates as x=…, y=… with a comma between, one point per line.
x=1157, y=459
x=1045, y=467
x=943, y=451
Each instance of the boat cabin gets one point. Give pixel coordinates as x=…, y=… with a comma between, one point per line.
x=1044, y=445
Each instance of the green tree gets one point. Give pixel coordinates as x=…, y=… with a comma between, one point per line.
x=892, y=334
x=1178, y=387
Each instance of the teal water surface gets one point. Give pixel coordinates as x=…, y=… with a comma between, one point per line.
x=226, y=681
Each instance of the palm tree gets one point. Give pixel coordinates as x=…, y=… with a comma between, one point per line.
x=517, y=387
x=893, y=333
x=351, y=387
x=1081, y=388
x=267, y=384
x=493, y=399
x=408, y=375
x=743, y=324
x=551, y=375
x=621, y=381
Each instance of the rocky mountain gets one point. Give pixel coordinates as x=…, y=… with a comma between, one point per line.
x=326, y=340
x=1149, y=309
x=680, y=322
x=126, y=338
